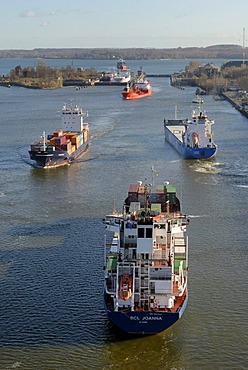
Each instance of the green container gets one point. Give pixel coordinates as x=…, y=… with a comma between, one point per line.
x=177, y=259
x=112, y=263
x=171, y=192
x=160, y=188
x=156, y=207
x=171, y=188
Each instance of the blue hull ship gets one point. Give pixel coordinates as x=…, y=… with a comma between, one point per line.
x=146, y=262
x=64, y=145
x=193, y=138
x=50, y=158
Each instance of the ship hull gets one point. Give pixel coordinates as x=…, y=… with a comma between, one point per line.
x=188, y=152
x=111, y=83
x=136, y=95
x=144, y=322
x=58, y=158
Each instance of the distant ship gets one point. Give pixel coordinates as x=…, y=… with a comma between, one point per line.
x=64, y=145
x=192, y=138
x=120, y=76
x=146, y=264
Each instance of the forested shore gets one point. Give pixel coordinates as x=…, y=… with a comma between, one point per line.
x=209, y=52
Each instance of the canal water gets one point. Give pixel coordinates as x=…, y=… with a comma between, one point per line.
x=51, y=249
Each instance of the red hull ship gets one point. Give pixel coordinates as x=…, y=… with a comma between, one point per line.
x=137, y=90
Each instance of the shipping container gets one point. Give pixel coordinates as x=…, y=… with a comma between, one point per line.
x=52, y=141
x=177, y=259
x=58, y=133
x=171, y=192
x=66, y=146
x=75, y=140
x=72, y=149
x=69, y=135
x=160, y=189
x=60, y=140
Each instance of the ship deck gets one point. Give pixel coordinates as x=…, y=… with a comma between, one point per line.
x=177, y=305
x=176, y=130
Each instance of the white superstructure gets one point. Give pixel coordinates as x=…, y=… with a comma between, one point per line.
x=73, y=118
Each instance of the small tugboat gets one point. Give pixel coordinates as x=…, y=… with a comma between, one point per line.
x=198, y=100
x=64, y=145
x=146, y=264
x=192, y=138
x=138, y=88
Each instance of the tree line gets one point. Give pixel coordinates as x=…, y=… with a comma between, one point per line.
x=44, y=76
x=210, y=52
x=215, y=80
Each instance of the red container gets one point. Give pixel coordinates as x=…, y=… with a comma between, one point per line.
x=60, y=140
x=58, y=133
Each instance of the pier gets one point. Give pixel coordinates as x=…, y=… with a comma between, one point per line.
x=236, y=104
x=157, y=75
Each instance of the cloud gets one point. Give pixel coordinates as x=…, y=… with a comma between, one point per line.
x=29, y=14
x=53, y=13
x=44, y=24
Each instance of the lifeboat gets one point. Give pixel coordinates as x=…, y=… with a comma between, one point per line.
x=125, y=290
x=195, y=139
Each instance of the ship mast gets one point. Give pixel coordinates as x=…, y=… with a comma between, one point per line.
x=153, y=172
x=176, y=110
x=44, y=141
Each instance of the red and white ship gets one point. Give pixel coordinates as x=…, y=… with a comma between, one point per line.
x=138, y=88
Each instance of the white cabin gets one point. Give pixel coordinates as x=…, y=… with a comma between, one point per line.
x=73, y=118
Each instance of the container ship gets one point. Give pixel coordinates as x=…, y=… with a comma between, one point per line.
x=146, y=263
x=192, y=138
x=64, y=145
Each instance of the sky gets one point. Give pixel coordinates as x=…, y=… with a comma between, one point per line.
x=30, y=24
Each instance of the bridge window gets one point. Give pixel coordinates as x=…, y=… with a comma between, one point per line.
x=141, y=232
x=149, y=233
